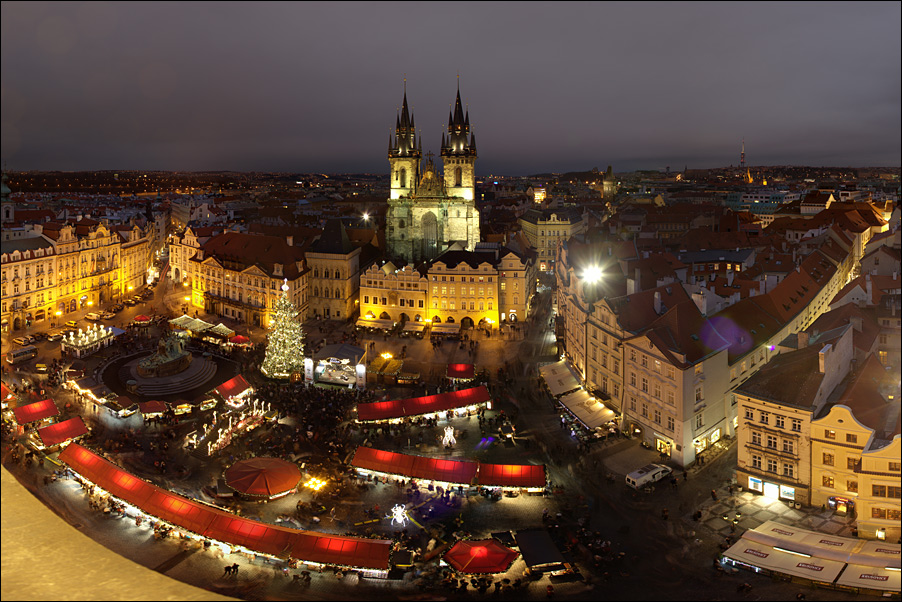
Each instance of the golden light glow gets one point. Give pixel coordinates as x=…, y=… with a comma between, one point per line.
x=386, y=356
x=315, y=484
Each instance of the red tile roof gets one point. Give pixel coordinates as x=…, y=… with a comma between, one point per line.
x=867, y=394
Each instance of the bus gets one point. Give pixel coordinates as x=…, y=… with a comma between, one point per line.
x=23, y=354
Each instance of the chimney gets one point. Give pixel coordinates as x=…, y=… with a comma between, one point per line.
x=869, y=289
x=730, y=278
x=762, y=287
x=803, y=339
x=855, y=321
x=277, y=269
x=658, y=302
x=822, y=358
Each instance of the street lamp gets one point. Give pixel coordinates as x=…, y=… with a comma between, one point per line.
x=592, y=274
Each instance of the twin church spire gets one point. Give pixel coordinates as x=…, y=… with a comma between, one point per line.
x=459, y=142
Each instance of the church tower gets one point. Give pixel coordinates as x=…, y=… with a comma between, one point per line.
x=459, y=154
x=404, y=154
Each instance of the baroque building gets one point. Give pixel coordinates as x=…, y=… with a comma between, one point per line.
x=428, y=211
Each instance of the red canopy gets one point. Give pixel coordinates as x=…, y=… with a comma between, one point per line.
x=462, y=371
x=416, y=467
x=142, y=318
x=480, y=556
x=220, y=525
x=36, y=411
x=386, y=410
x=233, y=387
x=512, y=475
x=4, y=392
x=239, y=339
x=62, y=431
x=152, y=407
x=263, y=476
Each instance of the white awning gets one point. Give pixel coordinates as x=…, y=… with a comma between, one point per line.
x=769, y=557
x=414, y=327
x=587, y=409
x=383, y=324
x=870, y=577
x=445, y=328
x=559, y=377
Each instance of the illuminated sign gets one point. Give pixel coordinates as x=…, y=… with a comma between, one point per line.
x=756, y=553
x=813, y=567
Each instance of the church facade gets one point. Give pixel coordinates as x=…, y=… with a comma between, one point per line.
x=429, y=211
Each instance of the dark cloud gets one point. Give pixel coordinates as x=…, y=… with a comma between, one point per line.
x=315, y=87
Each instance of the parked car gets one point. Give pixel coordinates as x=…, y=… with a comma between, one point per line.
x=39, y=336
x=107, y=315
x=42, y=368
x=651, y=473
x=115, y=308
x=72, y=324
x=54, y=336
x=94, y=316
x=129, y=302
x=20, y=341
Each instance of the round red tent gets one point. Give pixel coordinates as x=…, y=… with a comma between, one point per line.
x=239, y=339
x=265, y=477
x=142, y=318
x=480, y=556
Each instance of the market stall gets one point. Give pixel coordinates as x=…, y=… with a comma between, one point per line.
x=86, y=342
x=539, y=550
x=590, y=412
x=35, y=412
x=6, y=396
x=340, y=365
x=414, y=328
x=218, y=334
x=385, y=369
x=445, y=329
x=449, y=472
x=459, y=373
x=375, y=324
x=235, y=391
x=459, y=402
x=513, y=476
x=194, y=326
x=480, y=557
x=152, y=409
x=204, y=522
x=62, y=432
x=268, y=478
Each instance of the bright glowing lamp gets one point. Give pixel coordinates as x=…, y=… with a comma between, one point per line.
x=592, y=274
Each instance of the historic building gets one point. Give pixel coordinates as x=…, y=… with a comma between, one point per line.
x=437, y=269
x=335, y=265
x=545, y=229
x=428, y=211
x=240, y=276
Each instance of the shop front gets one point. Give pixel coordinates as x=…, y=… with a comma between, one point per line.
x=774, y=491
x=841, y=505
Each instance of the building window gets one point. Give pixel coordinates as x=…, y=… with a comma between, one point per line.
x=788, y=446
x=645, y=410
x=644, y=385
x=698, y=394
x=852, y=486
x=756, y=438
x=632, y=404
x=851, y=463
x=765, y=417
x=749, y=414
x=788, y=470
x=771, y=442
x=895, y=466
x=851, y=438
x=779, y=422
x=699, y=421
x=771, y=465
x=827, y=481
x=670, y=423
x=657, y=416
x=756, y=462
x=828, y=434
x=796, y=425
x=827, y=459
x=632, y=379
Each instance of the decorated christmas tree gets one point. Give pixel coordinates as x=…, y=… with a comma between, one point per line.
x=284, y=350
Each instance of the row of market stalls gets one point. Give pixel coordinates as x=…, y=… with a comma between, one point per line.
x=580, y=406
x=866, y=567
x=447, y=473
x=459, y=402
x=414, y=327
x=196, y=519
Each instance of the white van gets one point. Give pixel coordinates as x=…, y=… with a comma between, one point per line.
x=647, y=475
x=94, y=317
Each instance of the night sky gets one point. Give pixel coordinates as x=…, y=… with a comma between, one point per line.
x=550, y=87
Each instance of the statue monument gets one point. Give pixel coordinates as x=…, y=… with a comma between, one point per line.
x=170, y=358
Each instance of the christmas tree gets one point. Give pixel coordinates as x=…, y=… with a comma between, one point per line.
x=284, y=350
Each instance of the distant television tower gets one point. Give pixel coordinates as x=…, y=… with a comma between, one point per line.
x=742, y=155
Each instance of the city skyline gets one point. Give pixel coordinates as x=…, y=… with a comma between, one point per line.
x=266, y=88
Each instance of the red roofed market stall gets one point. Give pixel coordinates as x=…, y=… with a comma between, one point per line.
x=480, y=556
x=212, y=523
x=419, y=406
x=456, y=472
x=461, y=372
x=58, y=433
x=264, y=477
x=36, y=411
x=416, y=467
